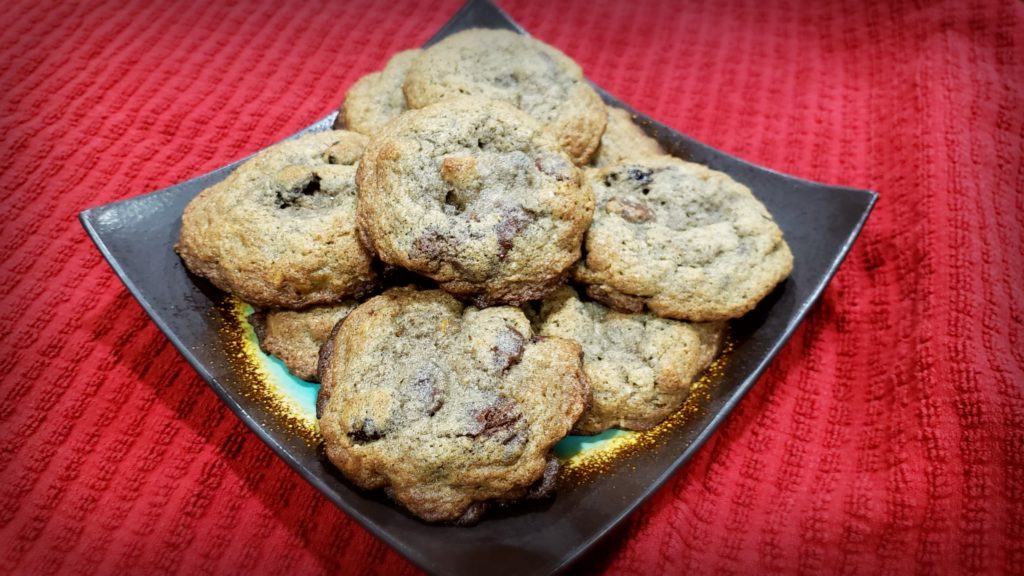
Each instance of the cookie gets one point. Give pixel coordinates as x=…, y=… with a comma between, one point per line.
x=280, y=232
x=624, y=141
x=377, y=98
x=448, y=408
x=473, y=194
x=527, y=73
x=640, y=367
x=295, y=336
x=682, y=240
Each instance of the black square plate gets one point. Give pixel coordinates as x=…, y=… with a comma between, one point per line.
x=820, y=222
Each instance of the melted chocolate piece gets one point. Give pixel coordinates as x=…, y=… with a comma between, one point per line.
x=513, y=221
x=630, y=209
x=545, y=485
x=472, y=514
x=497, y=420
x=508, y=348
x=615, y=300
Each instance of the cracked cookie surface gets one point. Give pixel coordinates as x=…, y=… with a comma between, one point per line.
x=640, y=367
x=474, y=195
x=377, y=98
x=295, y=336
x=280, y=231
x=446, y=407
x=682, y=240
x=522, y=71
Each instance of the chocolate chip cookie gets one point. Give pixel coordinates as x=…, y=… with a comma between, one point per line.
x=449, y=409
x=475, y=195
x=640, y=367
x=376, y=98
x=623, y=141
x=295, y=336
x=527, y=73
x=682, y=240
x=280, y=232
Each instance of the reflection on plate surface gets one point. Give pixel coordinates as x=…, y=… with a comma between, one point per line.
x=820, y=222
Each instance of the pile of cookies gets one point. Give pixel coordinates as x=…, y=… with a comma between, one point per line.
x=480, y=259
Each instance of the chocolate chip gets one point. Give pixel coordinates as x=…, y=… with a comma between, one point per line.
x=640, y=175
x=311, y=187
x=366, y=432
x=545, y=485
x=630, y=209
x=513, y=220
x=472, y=514
x=496, y=420
x=292, y=195
x=508, y=348
x=614, y=299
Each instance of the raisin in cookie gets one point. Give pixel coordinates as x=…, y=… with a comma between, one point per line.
x=280, y=231
x=447, y=408
x=376, y=98
x=475, y=195
x=640, y=367
x=295, y=336
x=681, y=239
x=527, y=73
x=623, y=141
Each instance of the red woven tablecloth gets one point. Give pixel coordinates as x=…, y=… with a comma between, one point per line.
x=888, y=436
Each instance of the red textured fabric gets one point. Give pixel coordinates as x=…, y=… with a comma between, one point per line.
x=887, y=438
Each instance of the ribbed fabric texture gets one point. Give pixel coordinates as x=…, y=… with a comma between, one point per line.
x=887, y=437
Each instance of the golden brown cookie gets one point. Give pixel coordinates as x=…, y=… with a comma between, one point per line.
x=525, y=72
x=280, y=231
x=447, y=408
x=475, y=195
x=682, y=240
x=640, y=367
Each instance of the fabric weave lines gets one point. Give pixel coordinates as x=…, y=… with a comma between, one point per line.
x=887, y=437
